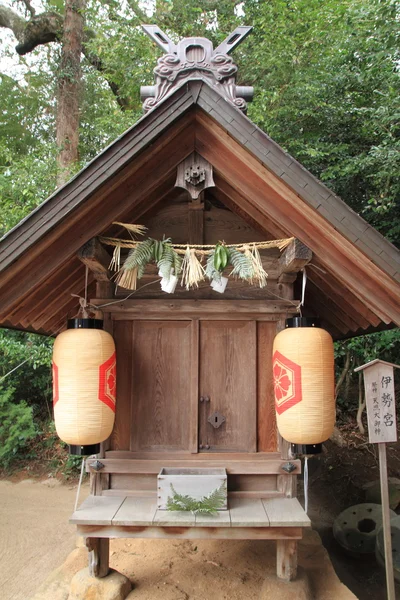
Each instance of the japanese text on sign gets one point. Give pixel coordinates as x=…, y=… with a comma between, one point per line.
x=381, y=406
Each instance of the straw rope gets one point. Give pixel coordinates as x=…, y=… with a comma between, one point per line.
x=202, y=249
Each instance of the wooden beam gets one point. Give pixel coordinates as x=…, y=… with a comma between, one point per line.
x=196, y=221
x=293, y=260
x=191, y=533
x=234, y=467
x=203, y=308
x=96, y=258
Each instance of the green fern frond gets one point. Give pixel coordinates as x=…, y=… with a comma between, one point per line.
x=242, y=266
x=209, y=504
x=177, y=264
x=139, y=256
x=166, y=262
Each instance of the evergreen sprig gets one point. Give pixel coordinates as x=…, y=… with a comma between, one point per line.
x=139, y=257
x=242, y=266
x=169, y=260
x=209, y=504
x=211, y=272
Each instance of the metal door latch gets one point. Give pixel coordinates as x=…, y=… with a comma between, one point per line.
x=216, y=419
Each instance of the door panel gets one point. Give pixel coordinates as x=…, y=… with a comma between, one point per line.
x=228, y=353
x=161, y=367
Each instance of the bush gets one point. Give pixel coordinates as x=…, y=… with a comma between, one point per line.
x=17, y=428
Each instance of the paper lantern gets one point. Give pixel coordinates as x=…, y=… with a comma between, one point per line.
x=304, y=383
x=84, y=385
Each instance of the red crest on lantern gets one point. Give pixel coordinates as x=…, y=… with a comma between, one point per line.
x=287, y=382
x=108, y=382
x=55, y=383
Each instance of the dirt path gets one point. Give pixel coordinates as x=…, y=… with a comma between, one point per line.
x=31, y=513
x=35, y=539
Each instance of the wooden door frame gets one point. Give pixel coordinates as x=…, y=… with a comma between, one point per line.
x=196, y=310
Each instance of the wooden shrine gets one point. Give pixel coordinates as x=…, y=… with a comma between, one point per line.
x=196, y=169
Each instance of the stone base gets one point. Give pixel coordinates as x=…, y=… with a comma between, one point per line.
x=299, y=589
x=113, y=587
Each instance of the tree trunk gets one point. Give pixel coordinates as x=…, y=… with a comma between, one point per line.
x=69, y=86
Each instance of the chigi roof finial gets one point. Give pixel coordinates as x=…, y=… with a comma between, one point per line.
x=194, y=57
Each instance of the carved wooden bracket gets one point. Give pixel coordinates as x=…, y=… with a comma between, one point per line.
x=194, y=174
x=293, y=259
x=191, y=58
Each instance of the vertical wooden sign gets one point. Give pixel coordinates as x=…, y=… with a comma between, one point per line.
x=382, y=428
x=380, y=400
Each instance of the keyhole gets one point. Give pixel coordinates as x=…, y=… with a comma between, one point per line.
x=216, y=420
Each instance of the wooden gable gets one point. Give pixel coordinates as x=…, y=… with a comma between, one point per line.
x=353, y=278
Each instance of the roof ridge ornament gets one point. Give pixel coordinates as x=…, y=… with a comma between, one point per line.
x=192, y=58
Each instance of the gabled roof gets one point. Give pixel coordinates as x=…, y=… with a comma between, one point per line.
x=354, y=278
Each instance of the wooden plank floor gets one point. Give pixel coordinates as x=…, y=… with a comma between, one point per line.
x=243, y=512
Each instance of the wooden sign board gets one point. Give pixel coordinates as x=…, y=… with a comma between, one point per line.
x=381, y=412
x=380, y=400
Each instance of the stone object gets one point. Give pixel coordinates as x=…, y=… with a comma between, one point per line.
x=380, y=547
x=356, y=527
x=373, y=492
x=113, y=587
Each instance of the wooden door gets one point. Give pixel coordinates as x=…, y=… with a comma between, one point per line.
x=227, y=385
x=161, y=386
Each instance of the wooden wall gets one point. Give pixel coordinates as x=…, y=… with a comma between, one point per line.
x=166, y=366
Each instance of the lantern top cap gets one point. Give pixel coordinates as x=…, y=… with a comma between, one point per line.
x=375, y=362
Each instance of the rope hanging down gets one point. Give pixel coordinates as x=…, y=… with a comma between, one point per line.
x=174, y=260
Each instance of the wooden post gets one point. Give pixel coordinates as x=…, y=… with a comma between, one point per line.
x=286, y=559
x=381, y=412
x=386, y=522
x=99, y=551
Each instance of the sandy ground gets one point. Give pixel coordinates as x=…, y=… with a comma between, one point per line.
x=35, y=536
x=35, y=539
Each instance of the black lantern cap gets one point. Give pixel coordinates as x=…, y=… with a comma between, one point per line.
x=305, y=449
x=84, y=450
x=302, y=322
x=84, y=324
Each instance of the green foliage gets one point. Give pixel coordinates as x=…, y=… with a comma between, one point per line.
x=72, y=466
x=242, y=266
x=31, y=381
x=17, y=428
x=209, y=504
x=211, y=272
x=168, y=259
x=139, y=257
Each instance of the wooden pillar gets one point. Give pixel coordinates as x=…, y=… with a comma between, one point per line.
x=286, y=559
x=99, y=552
x=196, y=220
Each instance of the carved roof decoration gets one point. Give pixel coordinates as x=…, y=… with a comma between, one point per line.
x=192, y=58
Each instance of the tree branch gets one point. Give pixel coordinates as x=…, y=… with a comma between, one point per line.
x=29, y=7
x=97, y=63
x=45, y=28
x=11, y=20
x=40, y=29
